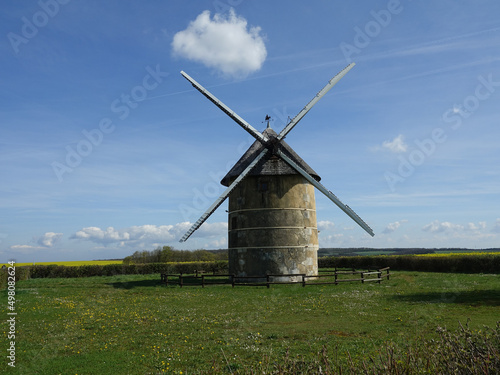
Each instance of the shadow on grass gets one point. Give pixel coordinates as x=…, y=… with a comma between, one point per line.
x=135, y=284
x=489, y=297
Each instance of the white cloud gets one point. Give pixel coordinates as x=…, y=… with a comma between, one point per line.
x=43, y=242
x=475, y=227
x=211, y=229
x=217, y=243
x=147, y=235
x=325, y=225
x=223, y=43
x=99, y=235
x=391, y=227
x=332, y=240
x=440, y=227
x=24, y=247
x=496, y=227
x=397, y=145
x=49, y=239
x=461, y=234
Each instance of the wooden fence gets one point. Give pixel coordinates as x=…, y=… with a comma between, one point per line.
x=323, y=278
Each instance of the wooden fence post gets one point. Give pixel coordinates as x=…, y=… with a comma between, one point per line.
x=180, y=279
x=303, y=280
x=203, y=280
x=362, y=277
x=267, y=281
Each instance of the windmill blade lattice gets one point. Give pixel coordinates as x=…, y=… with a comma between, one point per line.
x=245, y=125
x=271, y=145
x=314, y=100
x=223, y=197
x=328, y=193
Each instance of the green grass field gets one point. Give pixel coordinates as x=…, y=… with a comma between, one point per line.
x=133, y=325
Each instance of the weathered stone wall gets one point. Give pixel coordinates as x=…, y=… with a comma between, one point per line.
x=272, y=226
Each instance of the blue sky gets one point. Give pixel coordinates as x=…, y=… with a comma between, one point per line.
x=106, y=149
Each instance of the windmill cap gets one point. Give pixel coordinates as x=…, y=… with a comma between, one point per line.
x=271, y=164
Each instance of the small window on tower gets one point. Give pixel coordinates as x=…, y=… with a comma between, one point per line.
x=263, y=186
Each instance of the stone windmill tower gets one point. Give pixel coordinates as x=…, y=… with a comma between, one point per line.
x=272, y=225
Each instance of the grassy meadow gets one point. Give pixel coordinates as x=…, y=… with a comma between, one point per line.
x=131, y=324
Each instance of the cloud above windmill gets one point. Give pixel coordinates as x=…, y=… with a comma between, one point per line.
x=223, y=42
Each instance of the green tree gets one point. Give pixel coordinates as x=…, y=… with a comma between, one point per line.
x=166, y=254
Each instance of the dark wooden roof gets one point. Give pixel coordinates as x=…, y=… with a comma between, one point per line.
x=271, y=164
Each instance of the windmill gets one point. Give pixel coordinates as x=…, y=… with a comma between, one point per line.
x=272, y=226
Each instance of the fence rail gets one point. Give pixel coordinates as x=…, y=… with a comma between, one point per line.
x=202, y=278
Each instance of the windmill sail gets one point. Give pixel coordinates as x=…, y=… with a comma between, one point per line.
x=270, y=143
x=245, y=125
x=223, y=197
x=314, y=100
x=328, y=193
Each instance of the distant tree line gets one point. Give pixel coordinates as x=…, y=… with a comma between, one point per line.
x=169, y=254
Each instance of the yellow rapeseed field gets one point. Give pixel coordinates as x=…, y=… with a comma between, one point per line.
x=72, y=263
x=475, y=253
